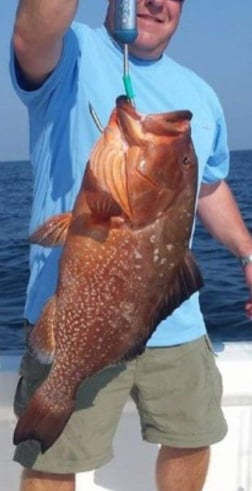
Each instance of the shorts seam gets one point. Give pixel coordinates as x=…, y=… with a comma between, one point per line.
x=186, y=348
x=205, y=438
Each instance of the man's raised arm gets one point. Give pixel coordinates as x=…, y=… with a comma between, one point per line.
x=38, y=33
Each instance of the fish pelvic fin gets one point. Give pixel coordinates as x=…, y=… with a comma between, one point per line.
x=41, y=341
x=43, y=420
x=53, y=232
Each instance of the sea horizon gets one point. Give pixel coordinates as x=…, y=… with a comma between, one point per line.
x=22, y=160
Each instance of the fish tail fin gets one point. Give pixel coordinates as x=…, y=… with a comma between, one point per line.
x=43, y=420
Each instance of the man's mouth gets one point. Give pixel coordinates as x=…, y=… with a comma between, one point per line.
x=149, y=18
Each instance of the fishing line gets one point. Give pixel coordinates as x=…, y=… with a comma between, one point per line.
x=125, y=32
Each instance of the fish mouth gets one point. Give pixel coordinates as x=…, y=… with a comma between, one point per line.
x=135, y=126
x=129, y=121
x=124, y=105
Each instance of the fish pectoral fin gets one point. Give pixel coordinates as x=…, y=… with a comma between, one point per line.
x=187, y=281
x=53, y=232
x=102, y=205
x=41, y=341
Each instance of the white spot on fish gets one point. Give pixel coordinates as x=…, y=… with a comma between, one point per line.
x=137, y=254
x=169, y=247
x=45, y=357
x=142, y=164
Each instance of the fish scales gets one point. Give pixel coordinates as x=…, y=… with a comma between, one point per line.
x=125, y=264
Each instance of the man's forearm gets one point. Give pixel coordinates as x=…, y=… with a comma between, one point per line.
x=39, y=19
x=220, y=214
x=38, y=36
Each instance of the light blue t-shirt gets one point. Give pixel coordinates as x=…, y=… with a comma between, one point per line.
x=62, y=134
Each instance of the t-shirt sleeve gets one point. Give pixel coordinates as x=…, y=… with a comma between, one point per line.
x=217, y=166
x=38, y=98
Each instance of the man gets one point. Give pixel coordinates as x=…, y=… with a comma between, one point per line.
x=57, y=70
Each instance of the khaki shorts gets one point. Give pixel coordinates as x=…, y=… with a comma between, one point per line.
x=177, y=391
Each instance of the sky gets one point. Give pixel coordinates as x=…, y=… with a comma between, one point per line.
x=214, y=39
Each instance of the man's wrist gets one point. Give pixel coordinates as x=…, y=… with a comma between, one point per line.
x=245, y=260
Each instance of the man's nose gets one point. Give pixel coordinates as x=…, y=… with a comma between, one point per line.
x=155, y=2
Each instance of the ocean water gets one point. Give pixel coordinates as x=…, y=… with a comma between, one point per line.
x=222, y=297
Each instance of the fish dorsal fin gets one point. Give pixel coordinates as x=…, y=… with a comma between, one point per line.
x=187, y=281
x=53, y=232
x=135, y=351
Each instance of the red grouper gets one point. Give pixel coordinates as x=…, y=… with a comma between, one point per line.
x=125, y=264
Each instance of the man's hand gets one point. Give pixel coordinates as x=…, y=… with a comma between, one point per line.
x=248, y=278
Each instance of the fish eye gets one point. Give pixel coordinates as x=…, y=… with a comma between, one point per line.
x=186, y=161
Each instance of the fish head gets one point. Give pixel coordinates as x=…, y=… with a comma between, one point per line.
x=147, y=163
x=160, y=160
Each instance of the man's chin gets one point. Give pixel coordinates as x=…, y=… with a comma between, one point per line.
x=145, y=50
